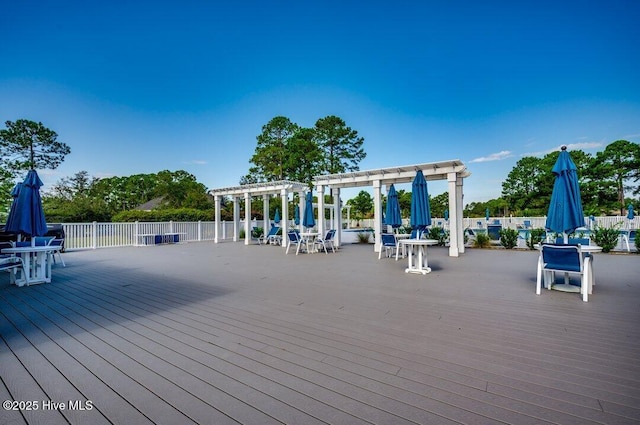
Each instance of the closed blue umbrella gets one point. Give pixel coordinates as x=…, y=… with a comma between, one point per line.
x=446, y=215
x=487, y=214
x=630, y=213
x=296, y=215
x=276, y=217
x=392, y=217
x=565, y=210
x=420, y=209
x=308, y=220
x=26, y=216
x=13, y=210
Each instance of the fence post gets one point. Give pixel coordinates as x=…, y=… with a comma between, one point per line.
x=94, y=235
x=224, y=229
x=199, y=230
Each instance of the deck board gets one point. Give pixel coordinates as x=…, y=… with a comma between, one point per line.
x=227, y=333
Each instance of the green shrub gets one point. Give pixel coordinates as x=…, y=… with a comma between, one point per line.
x=482, y=240
x=363, y=237
x=606, y=237
x=439, y=234
x=536, y=236
x=179, y=214
x=256, y=232
x=509, y=238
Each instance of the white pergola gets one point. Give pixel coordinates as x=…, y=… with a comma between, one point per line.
x=281, y=187
x=453, y=171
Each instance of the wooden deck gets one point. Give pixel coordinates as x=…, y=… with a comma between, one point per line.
x=220, y=334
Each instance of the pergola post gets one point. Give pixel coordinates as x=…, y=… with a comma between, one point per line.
x=236, y=218
x=216, y=200
x=337, y=215
x=456, y=237
x=321, y=210
x=301, y=208
x=247, y=218
x=377, y=215
x=460, y=214
x=284, y=219
x=266, y=223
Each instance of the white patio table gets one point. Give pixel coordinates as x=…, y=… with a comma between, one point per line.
x=309, y=239
x=421, y=245
x=37, y=260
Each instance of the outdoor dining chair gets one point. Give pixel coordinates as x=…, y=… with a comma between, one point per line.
x=42, y=240
x=10, y=264
x=327, y=240
x=60, y=243
x=293, y=238
x=4, y=245
x=565, y=259
x=389, y=242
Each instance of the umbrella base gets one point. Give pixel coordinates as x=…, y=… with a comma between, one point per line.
x=424, y=270
x=564, y=287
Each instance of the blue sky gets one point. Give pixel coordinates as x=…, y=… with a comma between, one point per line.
x=139, y=87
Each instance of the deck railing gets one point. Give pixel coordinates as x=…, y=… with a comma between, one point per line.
x=107, y=235
x=519, y=222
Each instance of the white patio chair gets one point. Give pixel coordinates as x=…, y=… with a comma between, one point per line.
x=389, y=242
x=327, y=240
x=293, y=238
x=10, y=264
x=42, y=240
x=565, y=259
x=60, y=243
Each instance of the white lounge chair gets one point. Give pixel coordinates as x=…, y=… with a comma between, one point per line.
x=273, y=237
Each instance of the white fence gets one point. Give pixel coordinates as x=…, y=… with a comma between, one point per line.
x=519, y=222
x=106, y=235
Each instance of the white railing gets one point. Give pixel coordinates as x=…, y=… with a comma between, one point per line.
x=518, y=222
x=107, y=235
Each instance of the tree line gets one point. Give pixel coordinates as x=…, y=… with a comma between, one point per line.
x=81, y=198
x=608, y=181
x=286, y=151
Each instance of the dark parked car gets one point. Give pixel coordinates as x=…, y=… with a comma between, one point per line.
x=53, y=229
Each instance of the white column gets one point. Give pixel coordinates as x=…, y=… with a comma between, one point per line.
x=247, y=219
x=284, y=217
x=455, y=217
x=320, y=222
x=265, y=212
x=301, y=207
x=460, y=214
x=377, y=215
x=337, y=215
x=216, y=200
x=236, y=218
